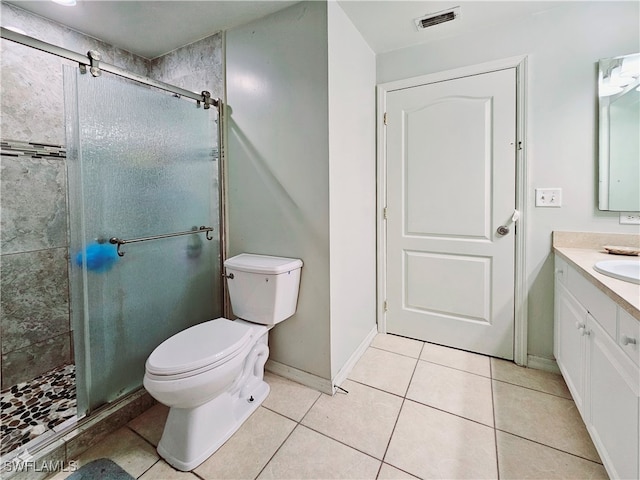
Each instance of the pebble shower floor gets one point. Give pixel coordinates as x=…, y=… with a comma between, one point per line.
x=30, y=409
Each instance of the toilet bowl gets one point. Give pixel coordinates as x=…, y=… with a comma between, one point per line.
x=211, y=374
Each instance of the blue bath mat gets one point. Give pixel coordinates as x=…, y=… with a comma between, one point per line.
x=101, y=469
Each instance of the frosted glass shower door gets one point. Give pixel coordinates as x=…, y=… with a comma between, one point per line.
x=141, y=163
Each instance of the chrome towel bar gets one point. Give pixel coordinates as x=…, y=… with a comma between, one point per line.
x=120, y=241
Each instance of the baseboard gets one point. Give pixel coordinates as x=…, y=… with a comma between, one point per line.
x=541, y=363
x=318, y=383
x=344, y=372
x=305, y=378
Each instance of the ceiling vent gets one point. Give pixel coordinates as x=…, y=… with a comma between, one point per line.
x=436, y=18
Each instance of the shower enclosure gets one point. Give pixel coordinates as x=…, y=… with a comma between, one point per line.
x=142, y=165
x=142, y=193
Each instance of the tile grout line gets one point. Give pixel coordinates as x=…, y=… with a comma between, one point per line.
x=455, y=368
x=329, y=437
x=153, y=465
x=276, y=452
x=467, y=371
x=298, y=423
x=280, y=414
x=335, y=439
x=415, y=367
x=493, y=411
x=532, y=389
x=160, y=459
x=425, y=404
x=525, y=438
x=376, y=388
x=549, y=446
x=382, y=391
x=449, y=413
x=37, y=250
x=396, y=467
x=404, y=399
x=148, y=442
x=340, y=442
x=397, y=353
x=436, y=363
x=384, y=455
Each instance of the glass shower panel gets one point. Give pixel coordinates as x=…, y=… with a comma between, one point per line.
x=141, y=163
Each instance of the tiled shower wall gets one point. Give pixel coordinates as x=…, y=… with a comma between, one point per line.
x=36, y=332
x=34, y=297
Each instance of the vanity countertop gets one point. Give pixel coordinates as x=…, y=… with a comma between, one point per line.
x=583, y=250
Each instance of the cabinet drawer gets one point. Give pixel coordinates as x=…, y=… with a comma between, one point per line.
x=601, y=307
x=629, y=335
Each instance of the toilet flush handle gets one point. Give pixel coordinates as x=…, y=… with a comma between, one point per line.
x=230, y=276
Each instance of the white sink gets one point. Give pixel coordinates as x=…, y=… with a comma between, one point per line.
x=627, y=270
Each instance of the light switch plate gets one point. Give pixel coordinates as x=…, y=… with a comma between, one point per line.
x=548, y=197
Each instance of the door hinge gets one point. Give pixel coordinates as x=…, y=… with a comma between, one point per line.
x=385, y=306
x=384, y=118
x=384, y=213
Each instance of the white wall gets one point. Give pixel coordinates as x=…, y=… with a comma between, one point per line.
x=278, y=171
x=301, y=175
x=563, y=46
x=352, y=194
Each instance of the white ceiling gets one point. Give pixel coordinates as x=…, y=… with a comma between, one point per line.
x=152, y=28
x=388, y=25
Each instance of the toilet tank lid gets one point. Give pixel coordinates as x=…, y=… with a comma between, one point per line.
x=252, y=263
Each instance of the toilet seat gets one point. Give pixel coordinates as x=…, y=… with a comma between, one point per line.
x=198, y=349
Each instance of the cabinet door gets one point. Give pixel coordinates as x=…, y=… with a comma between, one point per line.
x=570, y=324
x=613, y=400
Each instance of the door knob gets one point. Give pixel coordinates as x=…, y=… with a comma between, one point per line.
x=504, y=229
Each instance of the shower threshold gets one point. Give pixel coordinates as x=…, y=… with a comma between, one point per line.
x=35, y=411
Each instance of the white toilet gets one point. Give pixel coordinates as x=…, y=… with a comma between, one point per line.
x=211, y=375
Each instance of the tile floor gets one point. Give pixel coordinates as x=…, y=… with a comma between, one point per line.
x=414, y=410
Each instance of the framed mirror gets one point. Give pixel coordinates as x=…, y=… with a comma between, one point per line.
x=619, y=133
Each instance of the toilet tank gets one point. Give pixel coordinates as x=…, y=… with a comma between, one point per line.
x=263, y=289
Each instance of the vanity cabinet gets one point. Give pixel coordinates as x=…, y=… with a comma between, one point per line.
x=595, y=350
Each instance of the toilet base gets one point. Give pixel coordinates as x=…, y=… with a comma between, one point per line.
x=191, y=435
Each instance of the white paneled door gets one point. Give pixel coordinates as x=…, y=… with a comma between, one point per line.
x=451, y=175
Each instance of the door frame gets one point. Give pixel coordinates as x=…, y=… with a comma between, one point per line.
x=520, y=280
